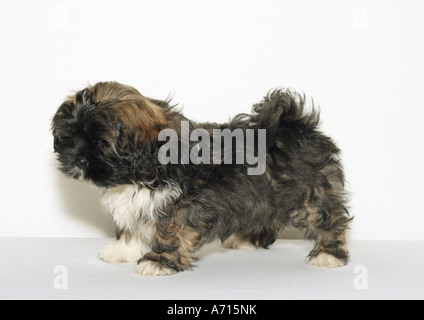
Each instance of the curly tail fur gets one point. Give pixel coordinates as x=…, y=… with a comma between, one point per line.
x=282, y=108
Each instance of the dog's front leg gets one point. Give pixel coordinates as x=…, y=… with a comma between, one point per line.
x=172, y=247
x=127, y=248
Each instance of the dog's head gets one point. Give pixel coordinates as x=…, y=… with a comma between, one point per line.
x=104, y=131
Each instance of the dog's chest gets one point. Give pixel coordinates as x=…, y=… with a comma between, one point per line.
x=131, y=206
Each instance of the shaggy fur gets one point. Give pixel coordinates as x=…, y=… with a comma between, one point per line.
x=108, y=134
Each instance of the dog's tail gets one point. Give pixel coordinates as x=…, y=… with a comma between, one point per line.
x=280, y=112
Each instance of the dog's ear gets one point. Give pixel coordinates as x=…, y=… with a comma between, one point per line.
x=143, y=162
x=140, y=119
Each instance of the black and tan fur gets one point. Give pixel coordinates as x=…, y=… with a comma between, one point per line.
x=108, y=134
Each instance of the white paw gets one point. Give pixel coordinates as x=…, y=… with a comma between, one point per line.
x=232, y=242
x=324, y=260
x=150, y=268
x=120, y=252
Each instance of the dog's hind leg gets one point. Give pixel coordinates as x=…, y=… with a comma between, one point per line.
x=260, y=239
x=237, y=242
x=327, y=223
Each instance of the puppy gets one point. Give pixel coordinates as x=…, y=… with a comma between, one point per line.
x=168, y=196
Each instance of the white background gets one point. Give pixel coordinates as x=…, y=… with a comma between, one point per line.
x=361, y=61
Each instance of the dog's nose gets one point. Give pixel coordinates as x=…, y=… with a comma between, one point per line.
x=81, y=162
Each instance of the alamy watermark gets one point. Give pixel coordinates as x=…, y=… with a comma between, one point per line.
x=60, y=282
x=61, y=17
x=360, y=21
x=209, y=150
x=361, y=280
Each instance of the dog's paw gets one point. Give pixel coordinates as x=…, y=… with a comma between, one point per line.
x=325, y=260
x=120, y=252
x=232, y=242
x=149, y=268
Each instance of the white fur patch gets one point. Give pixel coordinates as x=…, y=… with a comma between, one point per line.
x=324, y=260
x=134, y=209
x=130, y=204
x=150, y=268
x=121, y=251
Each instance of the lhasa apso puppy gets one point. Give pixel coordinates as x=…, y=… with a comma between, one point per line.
x=172, y=184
